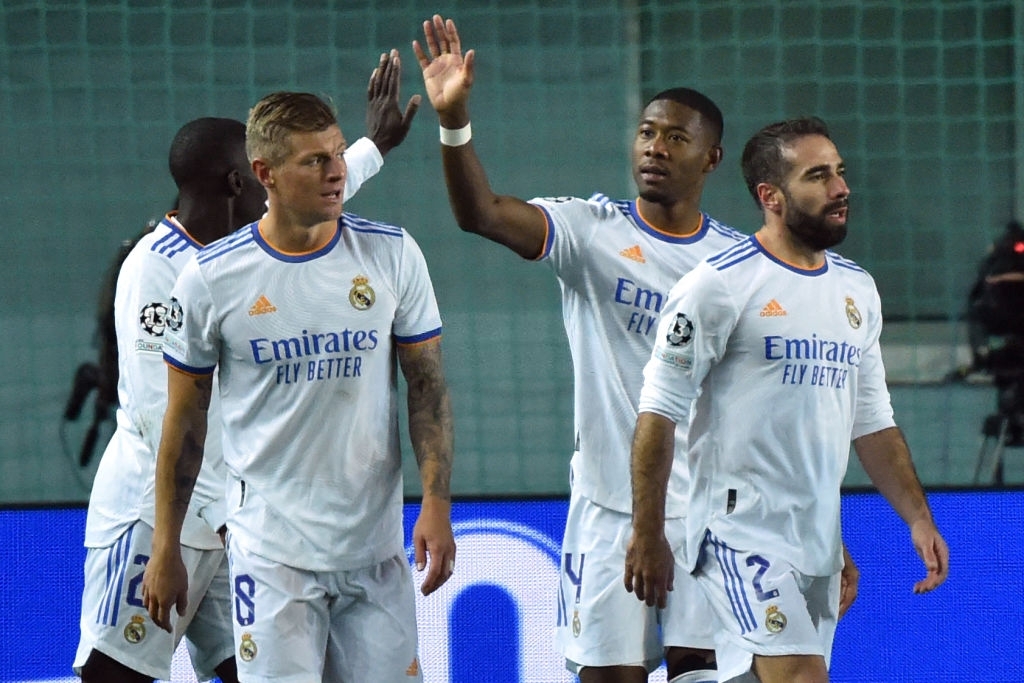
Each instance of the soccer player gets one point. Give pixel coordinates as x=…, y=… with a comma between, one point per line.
x=777, y=340
x=305, y=314
x=615, y=262
x=217, y=193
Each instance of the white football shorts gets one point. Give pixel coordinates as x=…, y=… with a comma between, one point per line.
x=300, y=626
x=599, y=623
x=765, y=606
x=115, y=622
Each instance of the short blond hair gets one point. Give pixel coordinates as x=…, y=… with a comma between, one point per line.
x=275, y=117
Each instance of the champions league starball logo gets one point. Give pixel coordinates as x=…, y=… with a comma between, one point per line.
x=681, y=332
x=153, y=318
x=175, y=315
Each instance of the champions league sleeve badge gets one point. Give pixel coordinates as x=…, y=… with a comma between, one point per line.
x=153, y=318
x=681, y=331
x=361, y=296
x=852, y=314
x=678, y=352
x=175, y=316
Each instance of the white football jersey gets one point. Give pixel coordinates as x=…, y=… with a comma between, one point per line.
x=305, y=348
x=786, y=369
x=615, y=270
x=123, y=488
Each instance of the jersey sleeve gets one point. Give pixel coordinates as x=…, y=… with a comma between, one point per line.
x=363, y=160
x=695, y=325
x=873, y=405
x=572, y=224
x=142, y=307
x=417, y=317
x=190, y=344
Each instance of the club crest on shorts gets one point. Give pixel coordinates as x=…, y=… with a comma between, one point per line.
x=361, y=296
x=852, y=314
x=247, y=650
x=135, y=630
x=774, y=620
x=577, y=625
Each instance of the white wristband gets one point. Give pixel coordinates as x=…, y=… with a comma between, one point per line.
x=456, y=137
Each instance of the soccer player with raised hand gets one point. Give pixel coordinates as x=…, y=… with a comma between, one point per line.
x=615, y=262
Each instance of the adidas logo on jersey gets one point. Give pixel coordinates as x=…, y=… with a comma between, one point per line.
x=772, y=309
x=262, y=306
x=633, y=253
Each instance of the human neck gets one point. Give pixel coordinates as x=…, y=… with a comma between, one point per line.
x=780, y=243
x=295, y=237
x=682, y=218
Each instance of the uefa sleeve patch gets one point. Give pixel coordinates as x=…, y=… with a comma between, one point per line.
x=681, y=331
x=677, y=359
x=176, y=345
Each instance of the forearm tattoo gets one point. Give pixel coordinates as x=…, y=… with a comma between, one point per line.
x=186, y=469
x=430, y=417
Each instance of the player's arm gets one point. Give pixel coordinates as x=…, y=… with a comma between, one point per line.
x=165, y=584
x=886, y=459
x=431, y=433
x=650, y=566
x=448, y=77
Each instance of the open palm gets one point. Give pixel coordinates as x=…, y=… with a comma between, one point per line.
x=447, y=73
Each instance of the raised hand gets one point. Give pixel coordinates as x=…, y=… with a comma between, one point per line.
x=447, y=73
x=386, y=124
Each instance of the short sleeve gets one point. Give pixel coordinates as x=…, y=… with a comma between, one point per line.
x=417, y=317
x=190, y=343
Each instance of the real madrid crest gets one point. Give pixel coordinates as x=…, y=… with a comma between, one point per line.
x=852, y=314
x=774, y=620
x=361, y=296
x=247, y=650
x=577, y=625
x=135, y=631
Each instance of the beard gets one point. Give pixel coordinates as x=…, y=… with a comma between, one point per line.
x=653, y=196
x=814, y=230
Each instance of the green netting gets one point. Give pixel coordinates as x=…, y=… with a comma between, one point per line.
x=923, y=97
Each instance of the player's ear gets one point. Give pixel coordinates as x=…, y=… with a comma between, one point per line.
x=261, y=169
x=233, y=182
x=715, y=154
x=770, y=197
